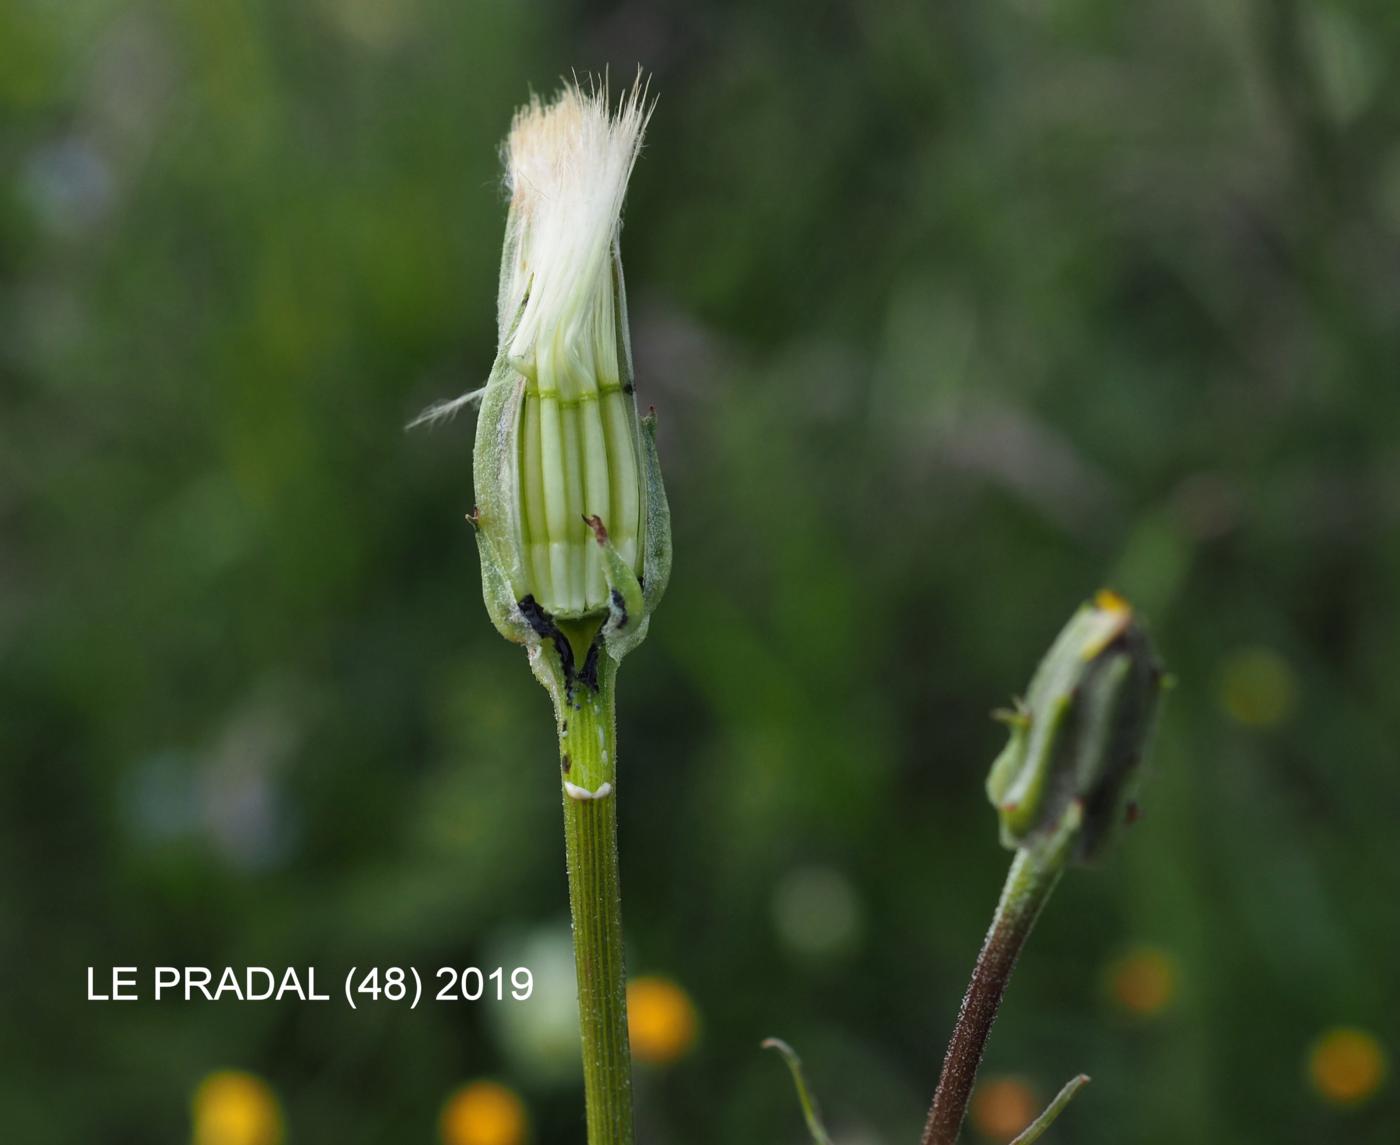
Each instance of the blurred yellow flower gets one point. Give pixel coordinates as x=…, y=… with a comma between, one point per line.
x=1142, y=982
x=1258, y=687
x=483, y=1113
x=1002, y=1107
x=661, y=1020
x=1346, y=1065
x=233, y=1108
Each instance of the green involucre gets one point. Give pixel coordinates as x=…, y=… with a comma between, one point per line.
x=1079, y=736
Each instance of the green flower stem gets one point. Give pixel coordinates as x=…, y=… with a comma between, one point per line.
x=588, y=758
x=1034, y=872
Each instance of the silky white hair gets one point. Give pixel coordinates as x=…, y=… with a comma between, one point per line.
x=567, y=167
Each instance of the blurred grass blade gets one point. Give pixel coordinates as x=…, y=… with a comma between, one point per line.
x=1052, y=1111
x=804, y=1095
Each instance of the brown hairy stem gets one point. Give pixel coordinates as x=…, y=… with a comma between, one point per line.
x=1028, y=885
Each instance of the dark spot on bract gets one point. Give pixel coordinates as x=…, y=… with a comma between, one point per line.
x=542, y=624
x=619, y=609
x=588, y=674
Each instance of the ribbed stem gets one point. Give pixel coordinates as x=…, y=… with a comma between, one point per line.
x=1033, y=875
x=588, y=759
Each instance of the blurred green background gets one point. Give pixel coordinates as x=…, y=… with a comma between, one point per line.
x=951, y=313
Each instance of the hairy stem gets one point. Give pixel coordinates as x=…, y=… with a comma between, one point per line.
x=1033, y=875
x=588, y=760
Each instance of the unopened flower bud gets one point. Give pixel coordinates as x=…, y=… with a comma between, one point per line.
x=571, y=516
x=1078, y=737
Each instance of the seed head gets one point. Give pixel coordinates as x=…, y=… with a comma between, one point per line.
x=571, y=518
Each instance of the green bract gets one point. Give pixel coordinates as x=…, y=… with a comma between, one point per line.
x=1078, y=738
x=571, y=518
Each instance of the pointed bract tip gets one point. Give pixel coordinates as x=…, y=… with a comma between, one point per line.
x=600, y=531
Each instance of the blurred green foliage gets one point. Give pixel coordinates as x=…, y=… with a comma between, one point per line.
x=951, y=312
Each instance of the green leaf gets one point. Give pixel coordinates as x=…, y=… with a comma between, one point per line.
x=804, y=1095
x=1052, y=1111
